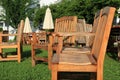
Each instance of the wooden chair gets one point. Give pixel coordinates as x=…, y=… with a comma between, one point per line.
x=17, y=44
x=39, y=42
x=93, y=62
x=80, y=28
x=62, y=24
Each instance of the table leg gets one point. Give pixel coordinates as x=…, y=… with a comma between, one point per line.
x=118, y=51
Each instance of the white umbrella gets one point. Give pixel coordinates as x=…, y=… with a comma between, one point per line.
x=27, y=27
x=48, y=21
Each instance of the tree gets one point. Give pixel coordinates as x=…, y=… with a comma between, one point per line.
x=81, y=8
x=15, y=10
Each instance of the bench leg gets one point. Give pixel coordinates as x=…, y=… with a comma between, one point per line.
x=19, y=54
x=54, y=72
x=33, y=55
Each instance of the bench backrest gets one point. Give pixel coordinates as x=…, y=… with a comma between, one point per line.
x=97, y=18
x=81, y=27
x=20, y=31
x=102, y=33
x=66, y=24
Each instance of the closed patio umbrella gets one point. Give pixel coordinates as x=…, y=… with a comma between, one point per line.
x=48, y=21
x=27, y=27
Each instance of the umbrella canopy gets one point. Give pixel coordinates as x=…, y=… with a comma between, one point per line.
x=27, y=27
x=48, y=21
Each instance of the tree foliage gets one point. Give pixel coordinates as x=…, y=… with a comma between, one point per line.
x=80, y=8
x=15, y=10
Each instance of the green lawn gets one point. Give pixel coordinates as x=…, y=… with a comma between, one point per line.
x=12, y=70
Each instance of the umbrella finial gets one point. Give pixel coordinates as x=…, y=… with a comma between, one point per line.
x=27, y=27
x=48, y=21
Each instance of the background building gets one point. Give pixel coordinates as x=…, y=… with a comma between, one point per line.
x=47, y=2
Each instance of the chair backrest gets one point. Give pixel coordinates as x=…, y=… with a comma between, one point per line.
x=102, y=34
x=96, y=23
x=81, y=27
x=88, y=29
x=20, y=31
x=39, y=38
x=66, y=24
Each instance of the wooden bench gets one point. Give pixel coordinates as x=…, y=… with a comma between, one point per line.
x=93, y=62
x=88, y=40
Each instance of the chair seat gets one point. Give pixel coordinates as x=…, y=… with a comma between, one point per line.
x=44, y=46
x=76, y=50
x=74, y=59
x=8, y=43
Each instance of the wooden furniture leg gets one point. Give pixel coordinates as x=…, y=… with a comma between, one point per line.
x=54, y=72
x=33, y=54
x=19, y=55
x=118, y=51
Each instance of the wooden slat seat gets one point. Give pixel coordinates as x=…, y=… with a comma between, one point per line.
x=75, y=59
x=76, y=50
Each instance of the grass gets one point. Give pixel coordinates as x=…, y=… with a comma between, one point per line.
x=12, y=70
x=111, y=68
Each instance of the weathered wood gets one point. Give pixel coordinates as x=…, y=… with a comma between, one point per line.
x=67, y=63
x=82, y=26
x=66, y=24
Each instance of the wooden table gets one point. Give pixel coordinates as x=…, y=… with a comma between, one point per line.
x=115, y=32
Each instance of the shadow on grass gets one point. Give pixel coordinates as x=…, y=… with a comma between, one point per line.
x=74, y=76
x=111, y=49
x=112, y=53
x=38, y=53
